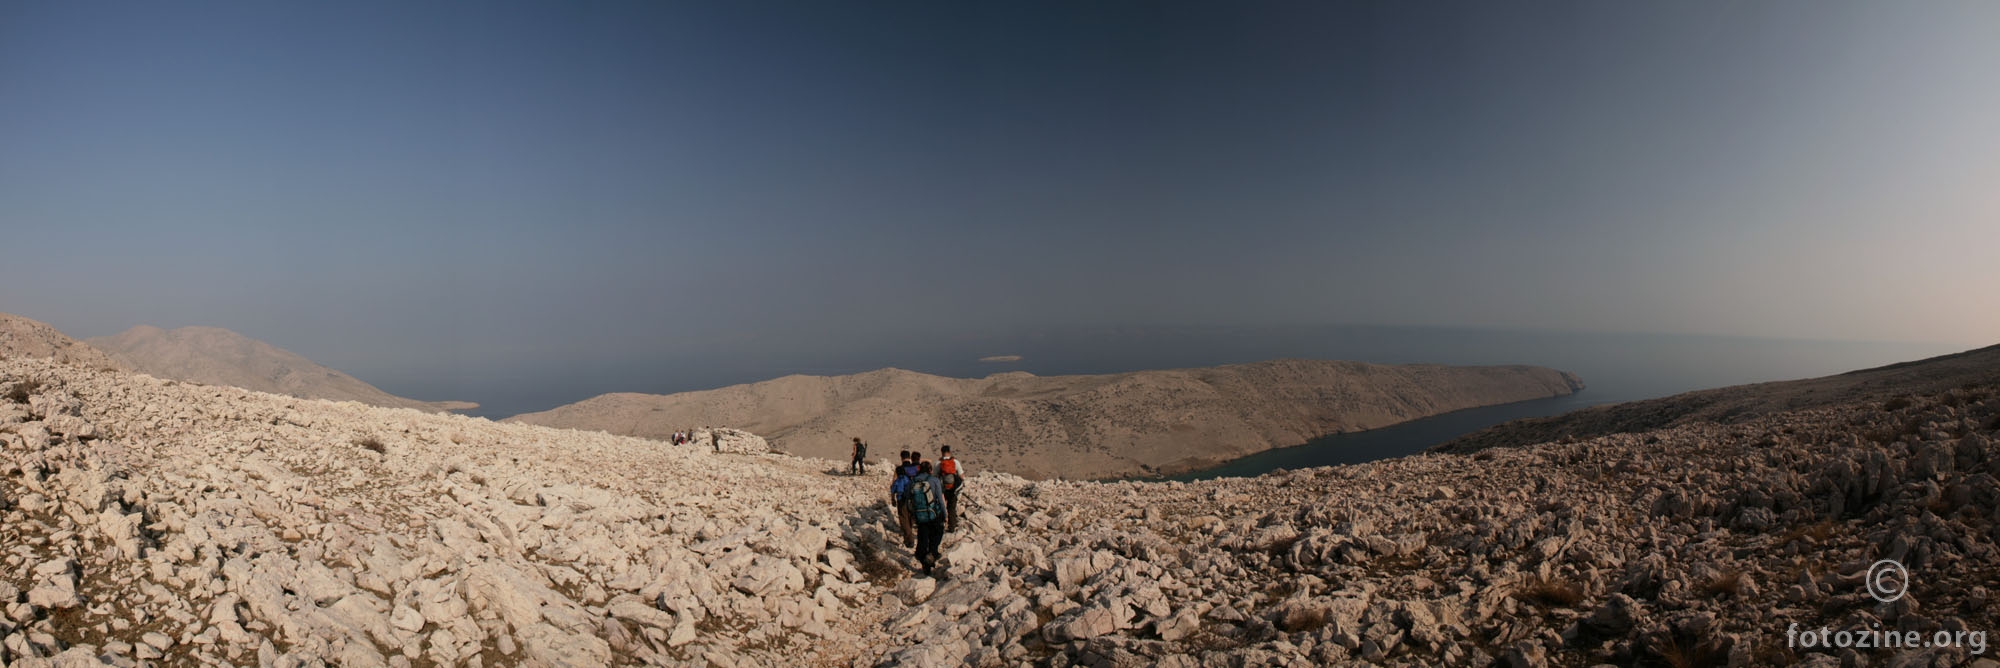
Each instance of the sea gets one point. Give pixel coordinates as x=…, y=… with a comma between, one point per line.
x=1615, y=367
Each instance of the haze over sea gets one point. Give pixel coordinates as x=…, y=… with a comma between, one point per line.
x=1615, y=366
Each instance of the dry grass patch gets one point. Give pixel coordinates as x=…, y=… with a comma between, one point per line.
x=1303, y=618
x=1675, y=651
x=19, y=392
x=1729, y=583
x=1550, y=592
x=873, y=560
x=1815, y=533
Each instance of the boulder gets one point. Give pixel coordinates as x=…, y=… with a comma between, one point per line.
x=1082, y=625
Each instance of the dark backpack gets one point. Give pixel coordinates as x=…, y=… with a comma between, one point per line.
x=861, y=451
x=922, y=505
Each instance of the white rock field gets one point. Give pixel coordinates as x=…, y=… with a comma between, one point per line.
x=155, y=522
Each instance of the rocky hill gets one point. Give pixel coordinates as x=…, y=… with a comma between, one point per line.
x=1106, y=426
x=146, y=520
x=216, y=356
x=22, y=337
x=1744, y=402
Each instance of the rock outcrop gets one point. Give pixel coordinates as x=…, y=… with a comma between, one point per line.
x=149, y=520
x=216, y=356
x=1109, y=426
x=23, y=337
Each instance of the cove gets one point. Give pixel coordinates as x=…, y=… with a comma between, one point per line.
x=1397, y=440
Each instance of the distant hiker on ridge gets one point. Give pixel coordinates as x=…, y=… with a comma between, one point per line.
x=860, y=453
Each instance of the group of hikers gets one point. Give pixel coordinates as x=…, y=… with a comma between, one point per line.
x=687, y=436
x=925, y=497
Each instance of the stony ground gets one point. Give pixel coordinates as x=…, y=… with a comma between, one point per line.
x=152, y=521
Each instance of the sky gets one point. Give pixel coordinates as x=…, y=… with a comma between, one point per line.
x=418, y=188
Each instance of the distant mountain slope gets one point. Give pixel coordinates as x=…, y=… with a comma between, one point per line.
x=216, y=356
x=23, y=337
x=1140, y=423
x=1979, y=367
x=315, y=533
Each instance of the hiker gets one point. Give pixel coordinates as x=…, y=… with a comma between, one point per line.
x=927, y=508
x=898, y=491
x=860, y=453
x=953, y=480
x=715, y=439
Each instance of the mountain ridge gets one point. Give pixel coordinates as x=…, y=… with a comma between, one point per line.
x=217, y=356
x=22, y=336
x=1136, y=423
x=1742, y=402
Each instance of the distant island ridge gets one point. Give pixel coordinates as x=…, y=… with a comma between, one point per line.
x=1618, y=366
x=216, y=356
x=1621, y=369
x=1143, y=423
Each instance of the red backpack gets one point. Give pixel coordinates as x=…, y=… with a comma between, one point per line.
x=948, y=469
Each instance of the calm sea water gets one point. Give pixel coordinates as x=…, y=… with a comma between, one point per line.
x=1615, y=367
x=1396, y=440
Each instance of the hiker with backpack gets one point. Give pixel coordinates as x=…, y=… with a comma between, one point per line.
x=860, y=454
x=899, y=496
x=954, y=480
x=927, y=507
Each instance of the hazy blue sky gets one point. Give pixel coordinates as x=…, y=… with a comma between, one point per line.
x=426, y=186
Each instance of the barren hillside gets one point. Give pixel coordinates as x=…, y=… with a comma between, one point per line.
x=215, y=356
x=23, y=337
x=1743, y=402
x=1130, y=424
x=145, y=520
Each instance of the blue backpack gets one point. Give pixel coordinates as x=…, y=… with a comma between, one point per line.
x=900, y=487
x=922, y=504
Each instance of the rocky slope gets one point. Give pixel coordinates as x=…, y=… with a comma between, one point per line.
x=23, y=337
x=216, y=356
x=1107, y=426
x=149, y=520
x=1743, y=402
